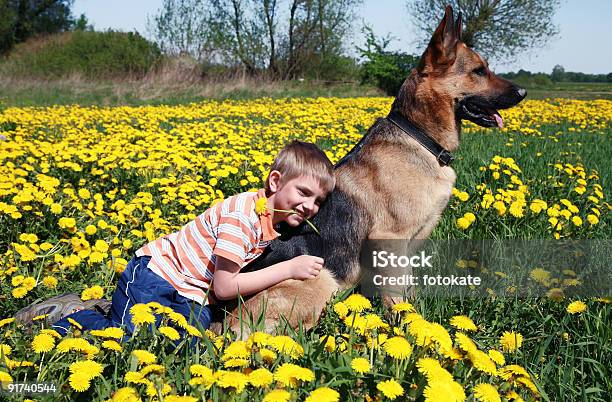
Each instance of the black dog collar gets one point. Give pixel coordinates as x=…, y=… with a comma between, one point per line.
x=442, y=155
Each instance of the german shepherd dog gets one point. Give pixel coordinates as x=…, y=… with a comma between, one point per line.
x=390, y=185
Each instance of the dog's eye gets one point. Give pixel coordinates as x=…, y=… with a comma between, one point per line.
x=480, y=71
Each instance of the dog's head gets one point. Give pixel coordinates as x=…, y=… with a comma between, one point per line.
x=462, y=77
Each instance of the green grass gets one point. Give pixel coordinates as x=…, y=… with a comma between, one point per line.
x=180, y=90
x=21, y=92
x=568, y=355
x=574, y=90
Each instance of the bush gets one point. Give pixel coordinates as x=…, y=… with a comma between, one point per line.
x=385, y=69
x=91, y=54
x=331, y=67
x=538, y=80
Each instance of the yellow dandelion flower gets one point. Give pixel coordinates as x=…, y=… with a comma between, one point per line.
x=134, y=377
x=94, y=292
x=43, y=343
x=141, y=314
x=486, y=393
x=125, y=394
x=497, y=357
x=528, y=384
x=463, y=323
x=576, y=307
x=287, y=346
x=258, y=338
x=470, y=217
x=323, y=394
x=89, y=367
x=231, y=379
x=200, y=370
x=80, y=381
x=169, y=333
x=110, y=332
x=152, y=368
x=432, y=370
x=465, y=343
x=511, y=341
x=463, y=223
x=341, y=309
x=50, y=282
x=236, y=350
x=403, y=307
x=357, y=303
x=232, y=363
x=267, y=355
x=360, y=365
x=144, y=356
x=443, y=390
x=261, y=377
x=261, y=206
x=398, y=347
x=112, y=345
x=277, y=395
x=512, y=370
x=592, y=219
x=5, y=377
x=193, y=331
x=482, y=362
x=75, y=323
x=180, y=398
x=390, y=388
x=289, y=374
x=5, y=350
x=19, y=292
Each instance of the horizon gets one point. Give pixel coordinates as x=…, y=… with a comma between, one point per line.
x=576, y=48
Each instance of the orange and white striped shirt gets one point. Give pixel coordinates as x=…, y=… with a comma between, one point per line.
x=230, y=229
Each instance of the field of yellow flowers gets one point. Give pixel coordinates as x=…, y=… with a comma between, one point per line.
x=81, y=188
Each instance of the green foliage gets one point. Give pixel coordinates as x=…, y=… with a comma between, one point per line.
x=280, y=40
x=91, y=54
x=21, y=20
x=500, y=30
x=385, y=69
x=332, y=67
x=560, y=75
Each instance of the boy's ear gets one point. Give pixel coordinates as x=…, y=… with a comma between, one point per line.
x=274, y=180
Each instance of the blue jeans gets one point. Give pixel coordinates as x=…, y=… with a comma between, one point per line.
x=138, y=284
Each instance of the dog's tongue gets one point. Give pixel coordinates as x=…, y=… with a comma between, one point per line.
x=499, y=120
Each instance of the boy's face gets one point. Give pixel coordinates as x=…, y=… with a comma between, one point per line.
x=302, y=194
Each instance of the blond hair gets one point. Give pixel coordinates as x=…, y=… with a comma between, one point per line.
x=304, y=159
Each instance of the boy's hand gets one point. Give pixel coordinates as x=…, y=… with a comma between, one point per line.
x=306, y=267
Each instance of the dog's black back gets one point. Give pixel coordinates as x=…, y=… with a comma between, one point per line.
x=342, y=227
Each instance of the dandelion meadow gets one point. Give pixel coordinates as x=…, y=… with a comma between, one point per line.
x=82, y=188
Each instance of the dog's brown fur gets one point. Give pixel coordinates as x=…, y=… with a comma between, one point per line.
x=398, y=188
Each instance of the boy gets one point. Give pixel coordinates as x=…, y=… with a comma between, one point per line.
x=190, y=269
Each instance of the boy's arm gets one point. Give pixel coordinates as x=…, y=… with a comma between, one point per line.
x=229, y=282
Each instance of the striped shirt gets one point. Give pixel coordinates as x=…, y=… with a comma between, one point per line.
x=230, y=229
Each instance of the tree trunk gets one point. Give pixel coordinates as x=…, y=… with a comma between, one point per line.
x=270, y=11
x=237, y=26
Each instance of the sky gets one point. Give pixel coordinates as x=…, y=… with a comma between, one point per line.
x=582, y=45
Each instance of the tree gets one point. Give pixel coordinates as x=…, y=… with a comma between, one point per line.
x=23, y=19
x=184, y=27
x=499, y=29
x=284, y=38
x=558, y=73
x=383, y=68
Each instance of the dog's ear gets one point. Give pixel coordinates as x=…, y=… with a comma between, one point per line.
x=442, y=49
x=459, y=26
